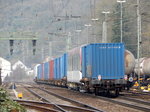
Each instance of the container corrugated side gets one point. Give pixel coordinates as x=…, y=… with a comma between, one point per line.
x=51, y=70
x=105, y=59
x=35, y=70
x=42, y=71
x=58, y=68
x=55, y=68
x=39, y=71
x=63, y=66
x=74, y=60
x=46, y=71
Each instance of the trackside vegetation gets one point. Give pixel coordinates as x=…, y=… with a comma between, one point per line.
x=8, y=105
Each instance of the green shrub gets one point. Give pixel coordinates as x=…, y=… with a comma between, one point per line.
x=8, y=105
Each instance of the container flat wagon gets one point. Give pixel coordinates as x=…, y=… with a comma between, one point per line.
x=98, y=68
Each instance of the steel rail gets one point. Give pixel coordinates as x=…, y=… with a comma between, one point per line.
x=138, y=93
x=38, y=107
x=118, y=102
x=44, y=99
x=71, y=100
x=41, y=108
x=135, y=100
x=49, y=106
x=130, y=105
x=113, y=100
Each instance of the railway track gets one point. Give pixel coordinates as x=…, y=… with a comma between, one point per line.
x=41, y=106
x=74, y=107
x=135, y=104
x=137, y=93
x=124, y=101
x=128, y=102
x=49, y=107
x=135, y=100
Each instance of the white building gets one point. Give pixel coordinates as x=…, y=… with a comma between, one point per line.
x=6, y=68
x=21, y=65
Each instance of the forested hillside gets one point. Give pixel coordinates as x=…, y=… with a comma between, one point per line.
x=55, y=22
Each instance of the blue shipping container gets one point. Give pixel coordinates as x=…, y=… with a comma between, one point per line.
x=63, y=66
x=104, y=59
x=39, y=72
x=57, y=69
x=46, y=71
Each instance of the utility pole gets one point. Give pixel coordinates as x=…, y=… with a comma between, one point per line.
x=87, y=25
x=23, y=53
x=68, y=46
x=121, y=2
x=94, y=28
x=104, y=34
x=78, y=36
x=94, y=19
x=50, y=48
x=139, y=38
x=42, y=53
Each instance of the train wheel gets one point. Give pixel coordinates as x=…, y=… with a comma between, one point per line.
x=96, y=91
x=113, y=93
x=108, y=94
x=116, y=92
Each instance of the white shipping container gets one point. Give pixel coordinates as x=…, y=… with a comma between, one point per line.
x=74, y=76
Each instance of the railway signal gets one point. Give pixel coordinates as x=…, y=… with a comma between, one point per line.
x=34, y=43
x=11, y=42
x=34, y=50
x=12, y=36
x=11, y=51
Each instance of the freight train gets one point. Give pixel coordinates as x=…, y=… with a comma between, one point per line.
x=97, y=68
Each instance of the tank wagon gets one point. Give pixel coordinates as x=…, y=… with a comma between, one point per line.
x=144, y=64
x=129, y=62
x=144, y=71
x=99, y=67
